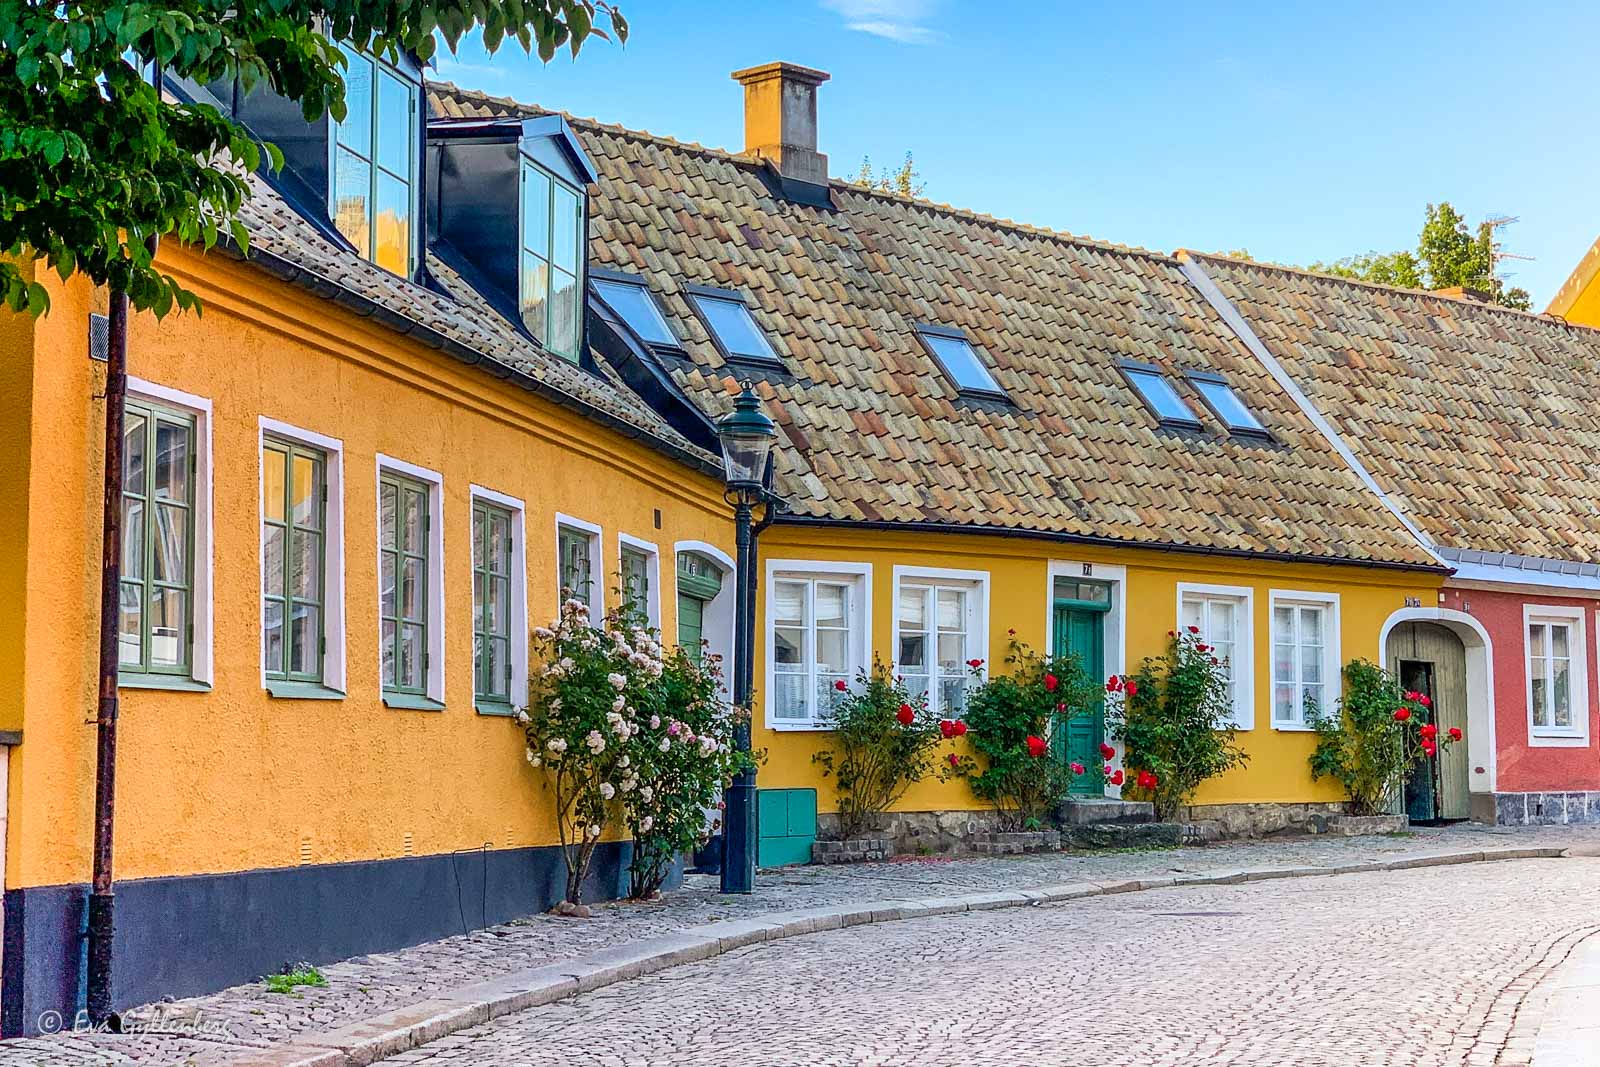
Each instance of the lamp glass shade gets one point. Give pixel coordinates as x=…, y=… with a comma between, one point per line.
x=744, y=457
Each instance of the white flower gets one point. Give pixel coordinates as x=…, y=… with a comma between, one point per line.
x=647, y=793
x=566, y=663
x=522, y=716
x=618, y=681
x=619, y=703
x=655, y=722
x=594, y=830
x=666, y=743
x=533, y=758
x=645, y=824
x=624, y=763
x=556, y=744
x=628, y=784
x=543, y=632
x=607, y=790
x=708, y=745
x=596, y=743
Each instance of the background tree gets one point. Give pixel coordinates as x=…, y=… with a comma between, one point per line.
x=901, y=180
x=1449, y=253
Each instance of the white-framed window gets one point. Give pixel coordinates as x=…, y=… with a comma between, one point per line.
x=1556, y=656
x=1305, y=656
x=411, y=585
x=578, y=563
x=1222, y=616
x=165, y=627
x=818, y=616
x=940, y=623
x=302, y=562
x=499, y=602
x=639, y=571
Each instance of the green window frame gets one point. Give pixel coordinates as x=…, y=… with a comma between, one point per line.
x=372, y=163
x=492, y=531
x=159, y=469
x=636, y=584
x=551, y=260
x=405, y=554
x=575, y=558
x=294, y=508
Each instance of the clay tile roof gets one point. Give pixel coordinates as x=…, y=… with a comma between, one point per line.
x=1479, y=421
x=281, y=239
x=871, y=430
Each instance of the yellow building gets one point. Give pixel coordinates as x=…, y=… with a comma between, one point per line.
x=986, y=427
x=1578, y=299
x=351, y=488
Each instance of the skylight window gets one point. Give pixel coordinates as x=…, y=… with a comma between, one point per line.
x=1159, y=395
x=731, y=326
x=955, y=354
x=631, y=300
x=1225, y=403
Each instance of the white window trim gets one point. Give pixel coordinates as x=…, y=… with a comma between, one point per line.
x=597, y=540
x=978, y=636
x=1116, y=642
x=333, y=564
x=201, y=656
x=1244, y=674
x=1332, y=653
x=436, y=587
x=861, y=643
x=717, y=628
x=519, y=586
x=1577, y=735
x=652, y=555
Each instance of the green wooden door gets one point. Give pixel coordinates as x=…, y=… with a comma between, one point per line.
x=1080, y=631
x=691, y=621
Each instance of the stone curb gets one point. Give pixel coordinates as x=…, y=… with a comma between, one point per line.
x=368, y=1040
x=1569, y=1036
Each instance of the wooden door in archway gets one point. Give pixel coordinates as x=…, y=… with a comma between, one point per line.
x=1430, y=658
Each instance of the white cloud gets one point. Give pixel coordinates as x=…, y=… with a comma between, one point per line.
x=902, y=21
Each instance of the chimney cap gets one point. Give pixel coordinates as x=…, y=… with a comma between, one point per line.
x=787, y=71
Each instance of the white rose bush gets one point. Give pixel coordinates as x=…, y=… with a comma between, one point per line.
x=626, y=733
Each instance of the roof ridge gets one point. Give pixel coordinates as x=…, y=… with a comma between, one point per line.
x=739, y=158
x=1539, y=316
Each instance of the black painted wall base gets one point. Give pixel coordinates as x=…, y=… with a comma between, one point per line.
x=195, y=934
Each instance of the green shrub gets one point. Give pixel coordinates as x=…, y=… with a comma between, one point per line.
x=1174, y=719
x=1012, y=717
x=1378, y=738
x=883, y=741
x=293, y=977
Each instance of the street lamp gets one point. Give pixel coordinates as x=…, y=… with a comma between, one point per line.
x=746, y=435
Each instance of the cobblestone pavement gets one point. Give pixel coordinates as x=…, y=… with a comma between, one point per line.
x=248, y=1016
x=1420, y=968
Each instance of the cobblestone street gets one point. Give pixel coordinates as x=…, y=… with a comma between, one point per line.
x=1425, y=967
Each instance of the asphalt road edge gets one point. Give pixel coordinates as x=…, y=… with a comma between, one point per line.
x=369, y=1040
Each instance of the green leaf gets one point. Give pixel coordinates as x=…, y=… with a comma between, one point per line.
x=38, y=299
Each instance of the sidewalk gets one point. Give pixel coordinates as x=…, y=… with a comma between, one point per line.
x=254, y=1020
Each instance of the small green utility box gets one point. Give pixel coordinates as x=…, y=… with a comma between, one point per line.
x=786, y=826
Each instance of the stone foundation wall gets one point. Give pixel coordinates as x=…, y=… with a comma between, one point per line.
x=922, y=833
x=1545, y=809
x=1263, y=820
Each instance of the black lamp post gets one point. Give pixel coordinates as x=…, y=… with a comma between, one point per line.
x=746, y=434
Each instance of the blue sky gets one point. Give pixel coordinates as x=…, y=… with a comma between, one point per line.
x=1299, y=135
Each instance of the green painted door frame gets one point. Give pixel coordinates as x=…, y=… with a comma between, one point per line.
x=1079, y=629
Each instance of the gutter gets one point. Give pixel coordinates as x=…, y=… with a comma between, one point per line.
x=368, y=308
x=1207, y=288
x=1098, y=542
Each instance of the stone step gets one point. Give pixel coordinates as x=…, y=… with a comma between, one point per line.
x=1099, y=811
x=1124, y=835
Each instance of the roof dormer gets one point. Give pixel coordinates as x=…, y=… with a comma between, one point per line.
x=510, y=208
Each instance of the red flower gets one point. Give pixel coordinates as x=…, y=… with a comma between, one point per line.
x=1116, y=779
x=1061, y=707
x=1011, y=632
x=1194, y=629
x=947, y=727
x=1133, y=687
x=1146, y=780
x=1429, y=731
x=906, y=715
x=1402, y=714
x=1422, y=698
x=1108, y=769
x=1429, y=748
x=974, y=663
x=1077, y=768
x=955, y=760
x=1202, y=648
x=1036, y=746
x=960, y=727
x=1113, y=684
x=840, y=686
x=1050, y=683
x=1411, y=694
x=1106, y=750
x=1455, y=733
x=1172, y=633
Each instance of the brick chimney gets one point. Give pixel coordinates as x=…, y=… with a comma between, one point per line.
x=780, y=119
x=1461, y=292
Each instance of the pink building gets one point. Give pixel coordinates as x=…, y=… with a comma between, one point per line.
x=1478, y=427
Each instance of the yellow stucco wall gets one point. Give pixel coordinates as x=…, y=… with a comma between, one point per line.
x=234, y=779
x=1020, y=596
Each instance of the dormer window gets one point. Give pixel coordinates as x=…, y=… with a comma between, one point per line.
x=1226, y=405
x=732, y=328
x=959, y=361
x=373, y=164
x=552, y=229
x=1159, y=396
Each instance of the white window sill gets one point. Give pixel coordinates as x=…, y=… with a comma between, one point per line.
x=1553, y=739
x=799, y=727
x=1294, y=728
